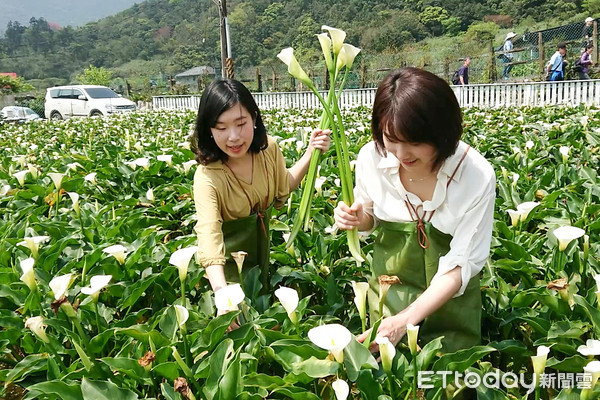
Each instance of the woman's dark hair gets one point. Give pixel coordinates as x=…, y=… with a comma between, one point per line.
x=217, y=98
x=417, y=106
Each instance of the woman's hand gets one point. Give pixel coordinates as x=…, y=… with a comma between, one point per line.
x=319, y=139
x=393, y=328
x=347, y=218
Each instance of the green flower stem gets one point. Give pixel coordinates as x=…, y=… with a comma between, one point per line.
x=84, y=271
x=183, y=293
x=97, y=317
x=72, y=315
x=186, y=346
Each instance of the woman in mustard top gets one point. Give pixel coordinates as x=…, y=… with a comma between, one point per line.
x=242, y=174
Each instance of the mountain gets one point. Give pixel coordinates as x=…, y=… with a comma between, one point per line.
x=61, y=12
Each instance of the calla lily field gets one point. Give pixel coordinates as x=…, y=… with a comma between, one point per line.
x=101, y=296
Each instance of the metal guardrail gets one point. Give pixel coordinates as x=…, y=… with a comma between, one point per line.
x=570, y=93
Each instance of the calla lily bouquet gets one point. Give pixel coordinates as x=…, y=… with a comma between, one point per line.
x=337, y=56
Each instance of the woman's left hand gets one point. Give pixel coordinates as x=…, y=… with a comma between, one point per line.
x=319, y=139
x=393, y=328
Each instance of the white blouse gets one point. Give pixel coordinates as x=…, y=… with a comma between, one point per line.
x=465, y=210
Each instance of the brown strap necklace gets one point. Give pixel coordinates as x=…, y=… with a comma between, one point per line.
x=419, y=217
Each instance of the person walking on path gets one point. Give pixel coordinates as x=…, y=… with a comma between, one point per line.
x=585, y=62
x=463, y=72
x=588, y=32
x=508, y=56
x=555, y=69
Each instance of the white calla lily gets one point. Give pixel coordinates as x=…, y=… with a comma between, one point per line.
x=289, y=299
x=387, y=351
x=360, y=300
x=38, y=327
x=181, y=259
x=4, y=190
x=239, y=257
x=33, y=171
x=539, y=362
x=28, y=276
x=593, y=368
x=97, y=283
x=319, y=184
x=337, y=37
x=566, y=234
x=150, y=195
x=287, y=56
x=20, y=177
x=33, y=244
x=412, y=331
x=182, y=315
x=347, y=56
x=325, y=43
x=142, y=162
x=75, y=200
x=590, y=348
x=331, y=337
x=341, y=389
x=117, y=251
x=529, y=144
x=564, y=152
x=60, y=284
x=57, y=179
x=166, y=158
x=91, y=178
x=228, y=297
x=188, y=165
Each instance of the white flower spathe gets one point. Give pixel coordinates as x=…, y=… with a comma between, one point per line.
x=288, y=298
x=75, y=200
x=337, y=37
x=97, y=283
x=539, y=360
x=150, y=195
x=325, y=43
x=91, y=178
x=565, y=234
x=228, y=297
x=347, y=56
x=33, y=243
x=57, y=178
x=181, y=259
x=117, y=251
x=167, y=158
x=20, y=177
x=38, y=327
x=60, y=284
x=387, y=351
x=412, y=331
x=287, y=56
x=522, y=211
x=360, y=297
x=590, y=348
x=182, y=315
x=331, y=337
x=28, y=276
x=188, y=165
x=4, y=190
x=341, y=389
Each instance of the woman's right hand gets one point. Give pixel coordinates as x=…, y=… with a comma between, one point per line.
x=347, y=218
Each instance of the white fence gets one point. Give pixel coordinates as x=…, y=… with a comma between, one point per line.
x=571, y=93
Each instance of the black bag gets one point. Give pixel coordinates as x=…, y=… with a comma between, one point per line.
x=455, y=78
x=577, y=67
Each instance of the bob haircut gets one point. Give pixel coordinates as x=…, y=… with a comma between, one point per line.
x=416, y=106
x=217, y=98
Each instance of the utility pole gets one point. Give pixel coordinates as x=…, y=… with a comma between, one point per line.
x=227, y=68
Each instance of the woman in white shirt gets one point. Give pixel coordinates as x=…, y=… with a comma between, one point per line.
x=431, y=197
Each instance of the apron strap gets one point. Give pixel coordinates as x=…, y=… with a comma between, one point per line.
x=421, y=234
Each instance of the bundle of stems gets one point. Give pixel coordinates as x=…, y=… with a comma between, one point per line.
x=337, y=56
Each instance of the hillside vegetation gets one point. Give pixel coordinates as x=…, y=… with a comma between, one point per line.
x=163, y=37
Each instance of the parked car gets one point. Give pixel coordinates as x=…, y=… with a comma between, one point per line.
x=84, y=100
x=18, y=114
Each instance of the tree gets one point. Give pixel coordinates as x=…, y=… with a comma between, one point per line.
x=8, y=84
x=95, y=76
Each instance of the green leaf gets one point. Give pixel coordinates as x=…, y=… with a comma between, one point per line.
x=428, y=353
x=296, y=393
x=462, y=359
x=219, y=362
x=128, y=366
x=169, y=393
x=569, y=364
x=368, y=386
x=132, y=293
x=27, y=366
x=316, y=368
x=357, y=357
x=62, y=390
x=96, y=390
x=169, y=370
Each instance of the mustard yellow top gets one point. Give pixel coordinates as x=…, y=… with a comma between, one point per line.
x=219, y=197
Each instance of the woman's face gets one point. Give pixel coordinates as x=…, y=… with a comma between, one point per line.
x=234, y=131
x=414, y=157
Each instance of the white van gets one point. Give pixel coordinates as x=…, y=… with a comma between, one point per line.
x=84, y=100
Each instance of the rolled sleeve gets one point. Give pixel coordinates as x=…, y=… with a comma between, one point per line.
x=470, y=245
x=361, y=194
x=211, y=245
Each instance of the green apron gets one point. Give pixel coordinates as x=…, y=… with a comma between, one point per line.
x=413, y=256
x=249, y=234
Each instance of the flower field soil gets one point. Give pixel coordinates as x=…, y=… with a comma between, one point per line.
x=101, y=297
